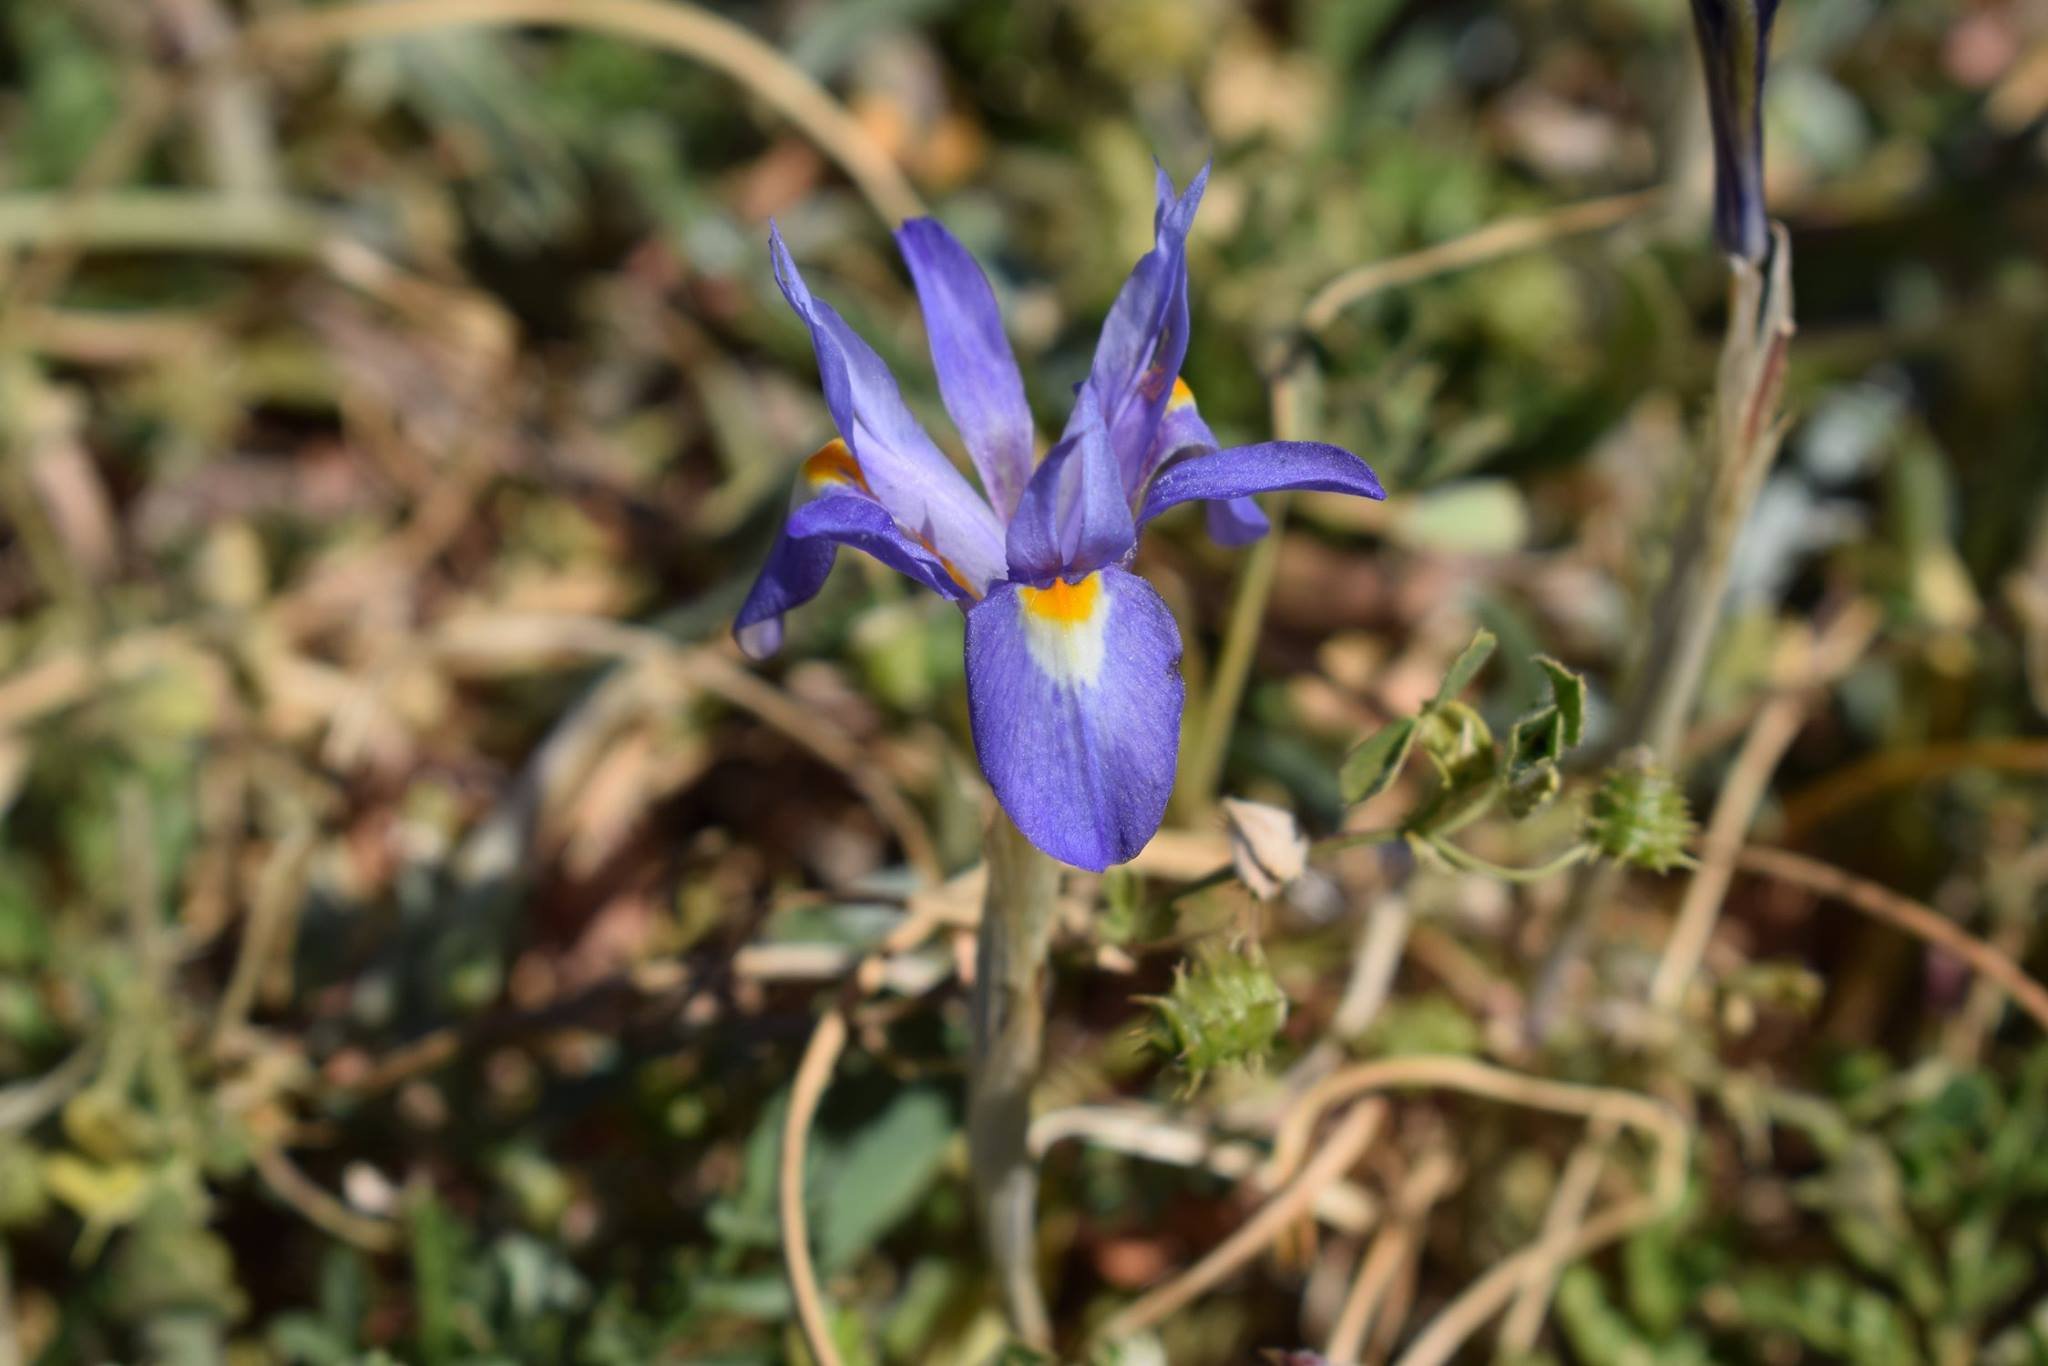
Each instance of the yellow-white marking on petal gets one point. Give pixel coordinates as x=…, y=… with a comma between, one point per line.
x=1063, y=628
x=1183, y=397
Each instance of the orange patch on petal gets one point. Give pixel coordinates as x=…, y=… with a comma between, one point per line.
x=1183, y=397
x=833, y=463
x=1063, y=602
x=955, y=574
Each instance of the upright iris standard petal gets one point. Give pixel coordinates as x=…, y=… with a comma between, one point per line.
x=907, y=472
x=1075, y=696
x=1145, y=337
x=1243, y=470
x=1074, y=516
x=978, y=376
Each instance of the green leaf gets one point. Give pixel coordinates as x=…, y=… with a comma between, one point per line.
x=1537, y=738
x=1371, y=768
x=881, y=1174
x=1568, y=695
x=1467, y=665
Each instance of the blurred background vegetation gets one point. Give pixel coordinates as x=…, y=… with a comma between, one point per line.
x=412, y=911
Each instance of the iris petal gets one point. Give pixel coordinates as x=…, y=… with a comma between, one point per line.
x=803, y=555
x=1073, y=516
x=907, y=472
x=1075, y=696
x=1183, y=435
x=1243, y=470
x=978, y=377
x=1145, y=337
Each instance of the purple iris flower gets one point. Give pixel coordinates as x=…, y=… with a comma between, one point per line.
x=1073, y=662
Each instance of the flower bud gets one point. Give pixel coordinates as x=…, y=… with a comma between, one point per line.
x=1735, y=42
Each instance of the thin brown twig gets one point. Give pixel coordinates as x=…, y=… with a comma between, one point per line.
x=1772, y=733
x=321, y=1209
x=1393, y=1248
x=828, y=1040
x=1502, y=238
x=1440, y=1340
x=1353, y=1135
x=1864, y=780
x=667, y=24
x=1140, y=1131
x=1901, y=912
x=813, y=1074
x=1477, y=1078
x=1553, y=1244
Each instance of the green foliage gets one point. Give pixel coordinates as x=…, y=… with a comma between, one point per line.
x=1538, y=742
x=1637, y=816
x=1472, y=769
x=1449, y=732
x=1224, y=1011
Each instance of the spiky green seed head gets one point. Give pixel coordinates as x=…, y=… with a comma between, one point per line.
x=1639, y=817
x=1224, y=1010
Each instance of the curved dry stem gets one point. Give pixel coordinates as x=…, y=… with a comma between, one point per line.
x=1552, y=1249
x=1901, y=912
x=1476, y=1078
x=1140, y=1131
x=665, y=24
x=1490, y=243
x=1353, y=1135
x=1485, y=1297
x=1770, y=735
x=320, y=1209
x=1859, y=782
x=1392, y=1249
x=812, y=1074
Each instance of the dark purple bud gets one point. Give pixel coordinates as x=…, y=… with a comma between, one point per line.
x=1735, y=45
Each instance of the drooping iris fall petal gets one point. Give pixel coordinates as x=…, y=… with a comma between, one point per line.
x=1183, y=435
x=906, y=471
x=1075, y=695
x=836, y=510
x=978, y=377
x=1242, y=470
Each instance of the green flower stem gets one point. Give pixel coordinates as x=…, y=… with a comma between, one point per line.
x=1472, y=863
x=1209, y=737
x=1009, y=1036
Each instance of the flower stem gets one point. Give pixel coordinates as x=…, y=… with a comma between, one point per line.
x=1009, y=1036
x=1290, y=392
x=1746, y=431
x=1473, y=863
